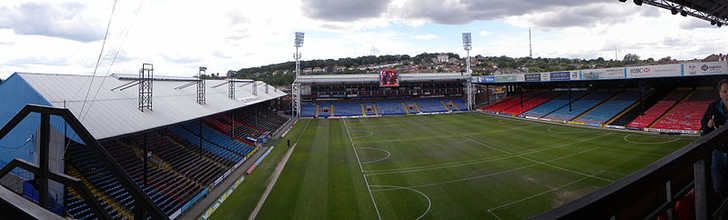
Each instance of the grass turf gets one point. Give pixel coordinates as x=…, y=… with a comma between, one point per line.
x=456, y=166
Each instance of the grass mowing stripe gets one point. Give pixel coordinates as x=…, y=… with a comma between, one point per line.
x=539, y=194
x=483, y=160
x=522, y=157
x=501, y=172
x=362, y=169
x=429, y=202
x=243, y=200
x=509, y=188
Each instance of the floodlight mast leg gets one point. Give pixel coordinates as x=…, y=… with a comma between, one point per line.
x=295, y=87
x=467, y=45
x=471, y=103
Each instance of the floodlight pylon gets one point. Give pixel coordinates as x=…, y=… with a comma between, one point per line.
x=295, y=87
x=467, y=45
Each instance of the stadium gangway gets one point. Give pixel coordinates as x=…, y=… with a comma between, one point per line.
x=143, y=204
x=614, y=200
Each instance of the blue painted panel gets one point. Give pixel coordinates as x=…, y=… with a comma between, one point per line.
x=15, y=93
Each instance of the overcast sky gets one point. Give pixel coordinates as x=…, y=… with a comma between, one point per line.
x=62, y=36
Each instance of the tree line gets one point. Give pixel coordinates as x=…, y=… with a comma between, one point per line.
x=282, y=74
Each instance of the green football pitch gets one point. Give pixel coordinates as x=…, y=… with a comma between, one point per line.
x=454, y=166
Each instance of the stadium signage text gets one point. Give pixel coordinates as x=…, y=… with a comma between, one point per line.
x=654, y=71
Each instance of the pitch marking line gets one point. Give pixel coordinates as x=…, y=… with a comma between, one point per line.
x=273, y=179
x=501, y=172
x=429, y=202
x=566, y=132
x=362, y=169
x=438, y=136
x=626, y=138
x=522, y=157
x=535, y=195
x=500, y=121
x=370, y=133
x=494, y=215
x=379, y=149
x=276, y=173
x=476, y=161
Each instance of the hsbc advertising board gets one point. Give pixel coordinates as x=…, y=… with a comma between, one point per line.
x=655, y=71
x=706, y=68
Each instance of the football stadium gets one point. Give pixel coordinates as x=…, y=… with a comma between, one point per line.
x=591, y=143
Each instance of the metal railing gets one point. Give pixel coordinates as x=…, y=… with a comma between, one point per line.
x=143, y=204
x=653, y=190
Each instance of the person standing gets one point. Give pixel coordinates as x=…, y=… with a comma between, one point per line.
x=714, y=117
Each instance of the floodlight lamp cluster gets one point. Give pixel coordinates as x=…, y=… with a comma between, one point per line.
x=299, y=39
x=467, y=41
x=636, y=2
x=679, y=9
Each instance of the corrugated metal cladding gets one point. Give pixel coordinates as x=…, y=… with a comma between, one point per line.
x=106, y=113
x=374, y=78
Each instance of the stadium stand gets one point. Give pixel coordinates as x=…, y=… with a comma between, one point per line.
x=308, y=110
x=581, y=105
x=324, y=110
x=260, y=119
x=411, y=107
x=117, y=202
x=157, y=152
x=177, y=169
x=431, y=105
x=610, y=109
x=657, y=110
x=502, y=104
x=553, y=105
x=347, y=109
x=510, y=101
x=401, y=107
x=368, y=108
x=686, y=114
x=390, y=108
x=459, y=104
x=531, y=103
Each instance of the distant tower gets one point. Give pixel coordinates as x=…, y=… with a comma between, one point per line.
x=530, y=47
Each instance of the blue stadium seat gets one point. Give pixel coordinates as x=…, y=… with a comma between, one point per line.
x=581, y=105
x=431, y=105
x=390, y=108
x=308, y=109
x=553, y=105
x=611, y=108
x=347, y=109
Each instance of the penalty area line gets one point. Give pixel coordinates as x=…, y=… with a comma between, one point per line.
x=358, y=161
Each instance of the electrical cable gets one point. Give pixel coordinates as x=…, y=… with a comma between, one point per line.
x=124, y=32
x=98, y=60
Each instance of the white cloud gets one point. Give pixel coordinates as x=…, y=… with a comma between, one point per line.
x=483, y=33
x=425, y=36
x=66, y=20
